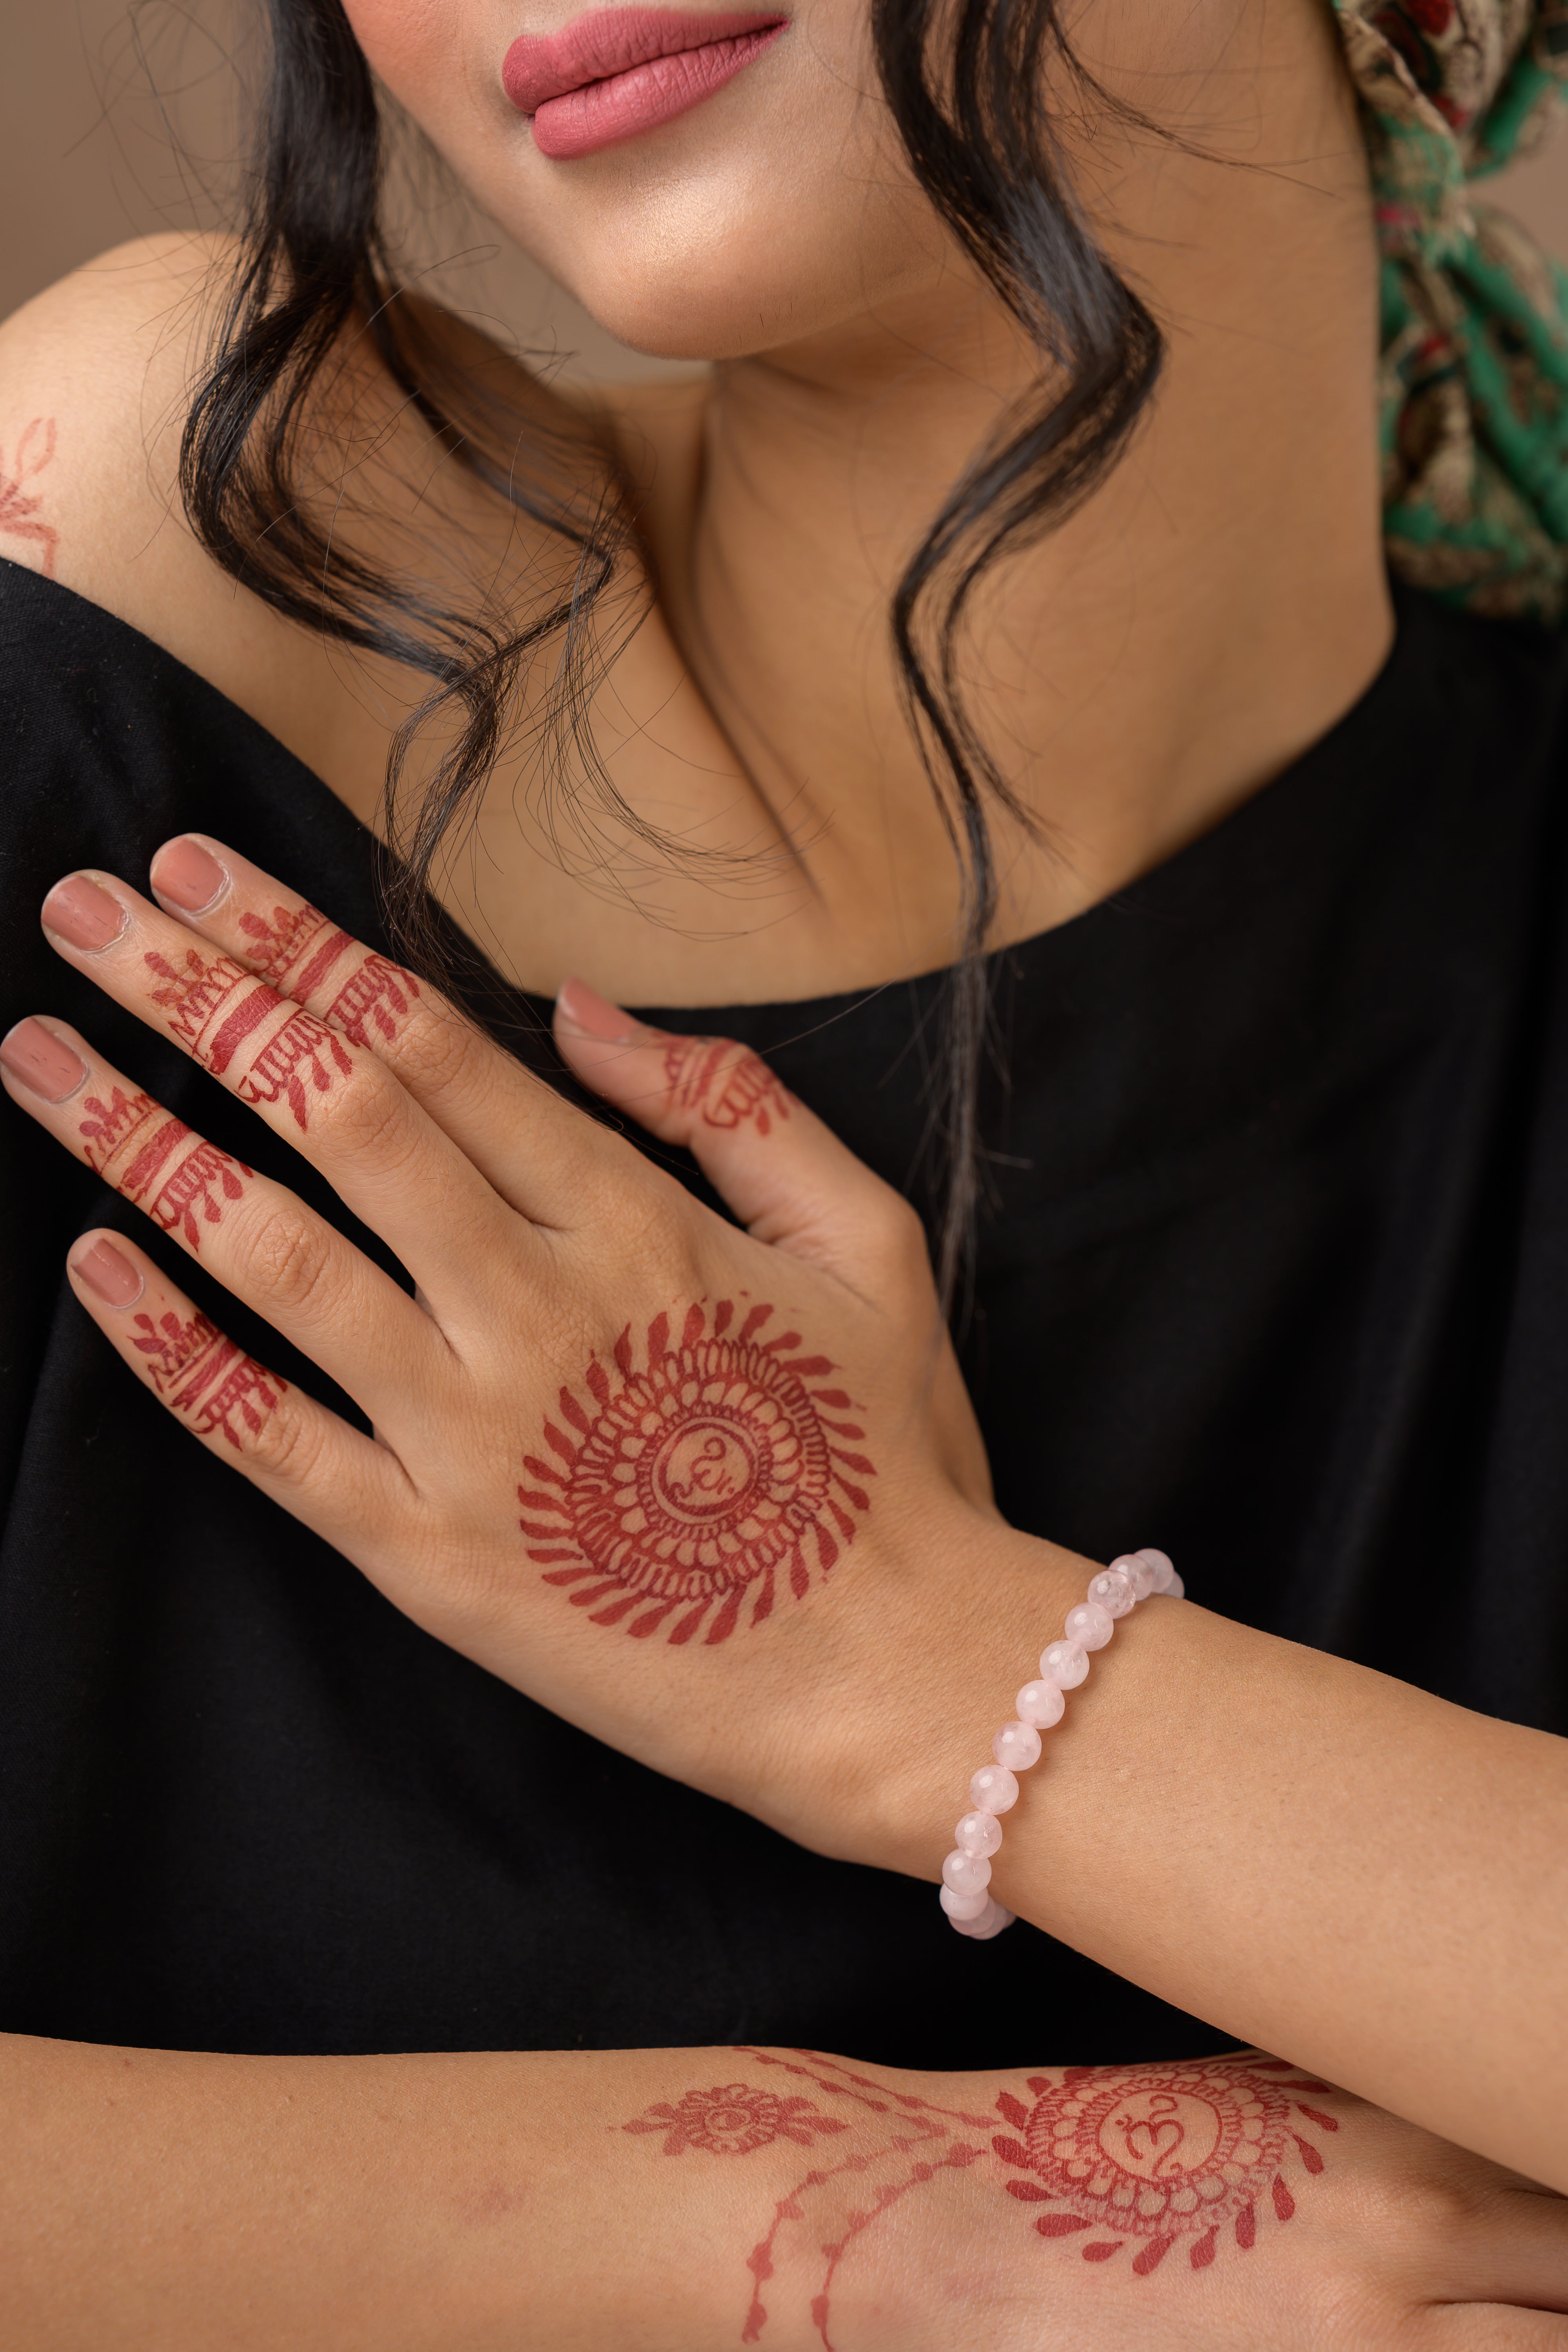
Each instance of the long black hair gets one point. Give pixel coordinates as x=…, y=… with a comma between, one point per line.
x=964, y=82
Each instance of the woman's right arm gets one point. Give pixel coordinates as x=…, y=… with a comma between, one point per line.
x=675, y=2201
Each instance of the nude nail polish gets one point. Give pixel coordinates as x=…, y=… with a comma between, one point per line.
x=594, y=1016
x=42, y=1062
x=84, y=915
x=109, y=1276
x=189, y=875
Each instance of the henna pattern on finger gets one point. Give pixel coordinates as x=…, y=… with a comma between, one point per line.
x=702, y=1479
x=206, y=1378
x=1159, y=2155
x=299, y=951
x=137, y=1147
x=703, y=1075
x=213, y=1008
x=1153, y=2155
x=19, y=510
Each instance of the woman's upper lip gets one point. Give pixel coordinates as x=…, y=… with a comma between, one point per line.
x=542, y=66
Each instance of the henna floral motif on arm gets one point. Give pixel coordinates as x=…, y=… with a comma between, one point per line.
x=702, y=1479
x=213, y=1008
x=19, y=507
x=205, y=1378
x=1148, y=2155
x=728, y=1087
x=155, y=1162
x=298, y=954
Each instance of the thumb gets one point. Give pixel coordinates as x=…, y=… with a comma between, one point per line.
x=785, y=1175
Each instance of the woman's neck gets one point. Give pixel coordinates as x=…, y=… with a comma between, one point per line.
x=1210, y=613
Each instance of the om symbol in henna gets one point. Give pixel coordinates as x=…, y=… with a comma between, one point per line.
x=698, y=1480
x=1157, y=2154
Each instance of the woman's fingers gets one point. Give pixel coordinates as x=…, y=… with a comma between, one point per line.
x=522, y=1136
x=338, y=1482
x=331, y=1098
x=255, y=1236
x=787, y=1176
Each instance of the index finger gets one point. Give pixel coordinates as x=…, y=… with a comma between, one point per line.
x=530, y=1143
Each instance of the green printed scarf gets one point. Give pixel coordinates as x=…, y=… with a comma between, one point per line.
x=1475, y=318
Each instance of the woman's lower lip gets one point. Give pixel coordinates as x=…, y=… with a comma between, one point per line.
x=625, y=105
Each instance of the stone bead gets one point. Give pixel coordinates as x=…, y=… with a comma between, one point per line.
x=964, y=1909
x=990, y=1922
x=1114, y=1590
x=1041, y=1704
x=1176, y=1589
x=1133, y=1564
x=994, y=1789
x=978, y=1833
x=1090, y=1624
x=1063, y=1663
x=1016, y=1746
x=1161, y=1564
x=966, y=1874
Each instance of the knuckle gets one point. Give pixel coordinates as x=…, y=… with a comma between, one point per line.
x=288, y=1260
x=287, y=1444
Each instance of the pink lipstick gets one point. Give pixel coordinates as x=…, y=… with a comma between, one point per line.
x=617, y=72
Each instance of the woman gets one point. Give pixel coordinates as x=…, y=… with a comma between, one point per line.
x=574, y=1660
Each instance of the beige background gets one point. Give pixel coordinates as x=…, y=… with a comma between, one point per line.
x=91, y=89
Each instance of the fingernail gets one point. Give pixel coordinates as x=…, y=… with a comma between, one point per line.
x=586, y=1010
x=42, y=1062
x=108, y=1276
x=190, y=875
x=84, y=915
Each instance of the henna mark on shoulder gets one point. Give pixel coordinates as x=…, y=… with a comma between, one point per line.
x=19, y=507
x=705, y=1477
x=727, y=1086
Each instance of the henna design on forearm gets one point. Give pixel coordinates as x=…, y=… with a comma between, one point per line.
x=18, y=510
x=1147, y=2154
x=704, y=1075
x=705, y=1477
x=213, y=1008
x=204, y=1377
x=155, y=1162
x=297, y=952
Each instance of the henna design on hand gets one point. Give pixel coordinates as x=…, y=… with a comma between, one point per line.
x=297, y=952
x=214, y=1007
x=136, y=1145
x=701, y=1075
x=202, y=1375
x=733, y=2119
x=18, y=511
x=1152, y=2153
x=703, y=1478
x=1158, y=2153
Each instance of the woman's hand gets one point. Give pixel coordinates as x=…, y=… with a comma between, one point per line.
x=1222, y=2205
x=705, y=1491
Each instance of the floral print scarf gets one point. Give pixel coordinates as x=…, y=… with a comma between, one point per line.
x=1475, y=318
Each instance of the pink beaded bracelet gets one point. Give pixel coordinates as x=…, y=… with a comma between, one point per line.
x=966, y=1894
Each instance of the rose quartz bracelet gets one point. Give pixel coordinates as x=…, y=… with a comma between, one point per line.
x=966, y=1894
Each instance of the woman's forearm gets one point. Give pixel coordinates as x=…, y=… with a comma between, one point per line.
x=470, y=2203
x=1313, y=1856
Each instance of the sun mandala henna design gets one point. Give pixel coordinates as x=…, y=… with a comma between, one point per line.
x=733, y=2119
x=698, y=1481
x=1158, y=2154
